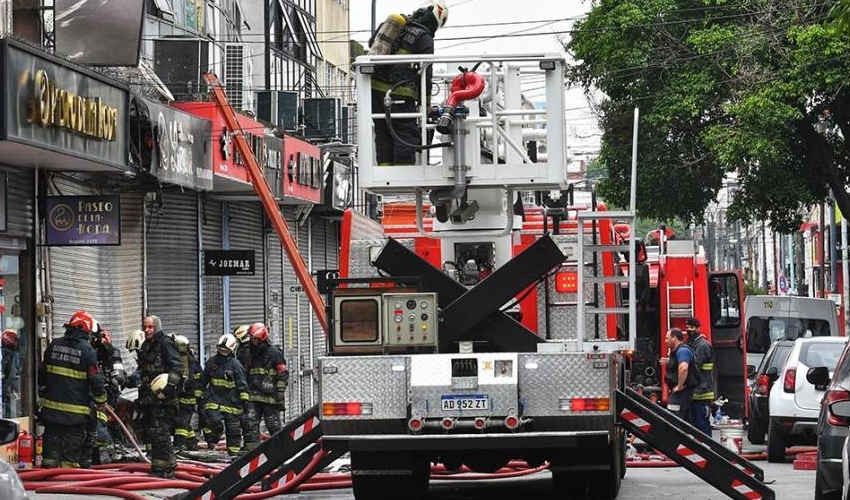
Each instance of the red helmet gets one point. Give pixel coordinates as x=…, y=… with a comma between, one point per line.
x=10, y=338
x=259, y=331
x=84, y=321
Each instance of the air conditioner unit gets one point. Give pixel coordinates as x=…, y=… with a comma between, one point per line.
x=278, y=108
x=345, y=124
x=322, y=118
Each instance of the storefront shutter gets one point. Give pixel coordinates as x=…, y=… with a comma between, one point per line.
x=19, y=203
x=173, y=263
x=274, y=288
x=246, y=292
x=290, y=327
x=104, y=280
x=305, y=315
x=213, y=290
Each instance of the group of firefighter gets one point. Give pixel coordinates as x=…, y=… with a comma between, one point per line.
x=82, y=375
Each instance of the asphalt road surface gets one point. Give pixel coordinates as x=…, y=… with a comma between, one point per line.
x=640, y=484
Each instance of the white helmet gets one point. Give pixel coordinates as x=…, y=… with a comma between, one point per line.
x=228, y=341
x=158, y=384
x=441, y=12
x=182, y=343
x=134, y=340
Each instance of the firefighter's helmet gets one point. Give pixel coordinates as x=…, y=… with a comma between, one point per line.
x=84, y=321
x=259, y=331
x=10, y=338
x=182, y=343
x=158, y=385
x=441, y=12
x=227, y=341
x=241, y=333
x=134, y=340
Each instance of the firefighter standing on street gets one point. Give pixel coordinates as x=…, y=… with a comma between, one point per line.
x=704, y=361
x=267, y=379
x=110, y=364
x=160, y=368
x=184, y=435
x=681, y=375
x=243, y=354
x=415, y=37
x=226, y=392
x=69, y=383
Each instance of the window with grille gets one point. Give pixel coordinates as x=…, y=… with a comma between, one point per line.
x=233, y=74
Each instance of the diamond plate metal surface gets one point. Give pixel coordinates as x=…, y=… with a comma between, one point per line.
x=544, y=379
x=562, y=319
x=380, y=380
x=360, y=266
x=426, y=401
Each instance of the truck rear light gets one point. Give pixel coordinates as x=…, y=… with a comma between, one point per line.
x=480, y=423
x=350, y=408
x=415, y=424
x=447, y=423
x=763, y=386
x=833, y=397
x=511, y=422
x=790, y=380
x=590, y=404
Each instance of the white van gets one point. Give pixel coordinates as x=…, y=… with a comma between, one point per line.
x=779, y=317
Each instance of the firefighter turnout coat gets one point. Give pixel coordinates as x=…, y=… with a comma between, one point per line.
x=267, y=374
x=227, y=386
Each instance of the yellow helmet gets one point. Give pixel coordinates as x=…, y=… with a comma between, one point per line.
x=158, y=385
x=134, y=340
x=241, y=333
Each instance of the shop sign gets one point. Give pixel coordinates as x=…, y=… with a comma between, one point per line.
x=341, y=187
x=229, y=262
x=83, y=220
x=303, y=176
x=66, y=110
x=181, y=156
x=271, y=156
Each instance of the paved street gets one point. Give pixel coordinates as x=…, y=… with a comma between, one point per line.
x=640, y=484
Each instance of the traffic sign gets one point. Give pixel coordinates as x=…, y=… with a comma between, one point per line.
x=228, y=262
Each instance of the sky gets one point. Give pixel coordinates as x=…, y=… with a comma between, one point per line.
x=552, y=16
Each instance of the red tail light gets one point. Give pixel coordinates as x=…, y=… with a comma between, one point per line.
x=833, y=397
x=763, y=386
x=790, y=382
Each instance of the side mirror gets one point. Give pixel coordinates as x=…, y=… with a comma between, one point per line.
x=840, y=409
x=751, y=371
x=818, y=376
x=772, y=373
x=8, y=431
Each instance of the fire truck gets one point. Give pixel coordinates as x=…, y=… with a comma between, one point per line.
x=445, y=343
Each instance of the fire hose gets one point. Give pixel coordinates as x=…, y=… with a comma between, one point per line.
x=127, y=432
x=123, y=479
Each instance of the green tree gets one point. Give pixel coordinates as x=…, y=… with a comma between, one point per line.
x=756, y=87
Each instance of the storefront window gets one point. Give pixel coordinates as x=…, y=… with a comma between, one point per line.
x=15, y=337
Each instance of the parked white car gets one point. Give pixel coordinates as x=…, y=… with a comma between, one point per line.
x=795, y=403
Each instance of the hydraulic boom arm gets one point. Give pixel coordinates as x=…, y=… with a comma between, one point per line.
x=269, y=204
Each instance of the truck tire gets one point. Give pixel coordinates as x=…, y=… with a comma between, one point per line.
x=775, y=442
x=756, y=431
x=381, y=476
x=605, y=485
x=569, y=484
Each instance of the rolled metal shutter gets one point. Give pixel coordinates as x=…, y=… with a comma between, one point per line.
x=213, y=289
x=106, y=281
x=246, y=292
x=19, y=194
x=173, y=263
x=322, y=247
x=290, y=330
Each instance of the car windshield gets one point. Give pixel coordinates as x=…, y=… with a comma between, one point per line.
x=826, y=354
x=763, y=331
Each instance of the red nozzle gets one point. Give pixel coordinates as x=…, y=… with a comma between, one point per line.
x=465, y=86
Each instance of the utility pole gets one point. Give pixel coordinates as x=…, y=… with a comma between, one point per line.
x=845, y=274
x=374, y=10
x=822, y=230
x=833, y=241
x=763, y=257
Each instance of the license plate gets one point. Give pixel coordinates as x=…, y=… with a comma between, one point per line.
x=471, y=402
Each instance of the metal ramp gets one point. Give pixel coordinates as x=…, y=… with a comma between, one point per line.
x=730, y=473
x=275, y=462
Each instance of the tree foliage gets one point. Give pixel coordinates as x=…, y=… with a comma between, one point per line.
x=757, y=87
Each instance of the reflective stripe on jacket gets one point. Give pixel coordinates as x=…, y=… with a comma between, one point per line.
x=70, y=379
